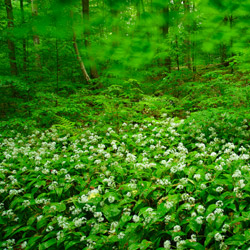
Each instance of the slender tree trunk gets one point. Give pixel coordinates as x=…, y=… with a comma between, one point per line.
x=36, y=39
x=24, y=40
x=114, y=10
x=177, y=54
x=138, y=9
x=165, y=32
x=11, y=45
x=187, y=41
x=193, y=43
x=85, y=12
x=57, y=67
x=78, y=56
x=83, y=69
x=231, y=19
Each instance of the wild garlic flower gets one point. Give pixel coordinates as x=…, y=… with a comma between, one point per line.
x=208, y=176
x=197, y=177
x=193, y=238
x=177, y=238
x=225, y=228
x=78, y=222
x=219, y=203
x=113, y=227
x=218, y=211
x=237, y=174
x=177, y=228
x=136, y=218
x=199, y=220
x=169, y=204
x=218, y=237
x=24, y=244
x=111, y=199
x=219, y=189
x=167, y=218
x=49, y=229
x=120, y=235
x=167, y=244
x=210, y=217
x=201, y=209
x=60, y=235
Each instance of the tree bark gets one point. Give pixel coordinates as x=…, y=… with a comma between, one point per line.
x=83, y=69
x=165, y=32
x=85, y=13
x=36, y=39
x=11, y=45
x=187, y=40
x=24, y=40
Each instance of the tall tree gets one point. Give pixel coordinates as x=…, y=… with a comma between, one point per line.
x=36, y=38
x=165, y=32
x=85, y=12
x=187, y=40
x=24, y=40
x=11, y=44
x=77, y=52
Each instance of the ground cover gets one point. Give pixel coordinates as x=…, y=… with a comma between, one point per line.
x=163, y=183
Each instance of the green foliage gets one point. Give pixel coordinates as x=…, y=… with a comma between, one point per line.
x=152, y=152
x=156, y=184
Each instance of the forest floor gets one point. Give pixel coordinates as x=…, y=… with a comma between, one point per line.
x=163, y=183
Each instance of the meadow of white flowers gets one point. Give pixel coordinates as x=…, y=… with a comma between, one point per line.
x=160, y=184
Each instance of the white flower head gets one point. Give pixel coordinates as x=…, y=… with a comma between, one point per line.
x=177, y=228
x=218, y=237
x=136, y=218
x=167, y=245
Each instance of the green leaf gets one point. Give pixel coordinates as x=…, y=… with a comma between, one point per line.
x=31, y=220
x=11, y=230
x=42, y=223
x=2, y=221
x=236, y=240
x=145, y=244
x=111, y=211
x=33, y=241
x=219, y=221
x=69, y=244
x=209, y=237
x=26, y=228
x=194, y=245
x=134, y=246
x=47, y=244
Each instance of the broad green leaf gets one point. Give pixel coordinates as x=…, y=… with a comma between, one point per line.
x=47, y=244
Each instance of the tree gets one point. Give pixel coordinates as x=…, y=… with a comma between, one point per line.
x=187, y=40
x=85, y=12
x=165, y=33
x=24, y=40
x=77, y=52
x=11, y=44
x=36, y=39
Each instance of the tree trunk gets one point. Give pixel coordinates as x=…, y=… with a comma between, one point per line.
x=83, y=69
x=36, y=39
x=24, y=40
x=11, y=45
x=138, y=9
x=187, y=40
x=165, y=31
x=85, y=12
x=193, y=43
x=177, y=53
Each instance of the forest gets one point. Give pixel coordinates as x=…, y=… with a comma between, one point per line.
x=124, y=124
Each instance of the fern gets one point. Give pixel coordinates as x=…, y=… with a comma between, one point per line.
x=64, y=124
